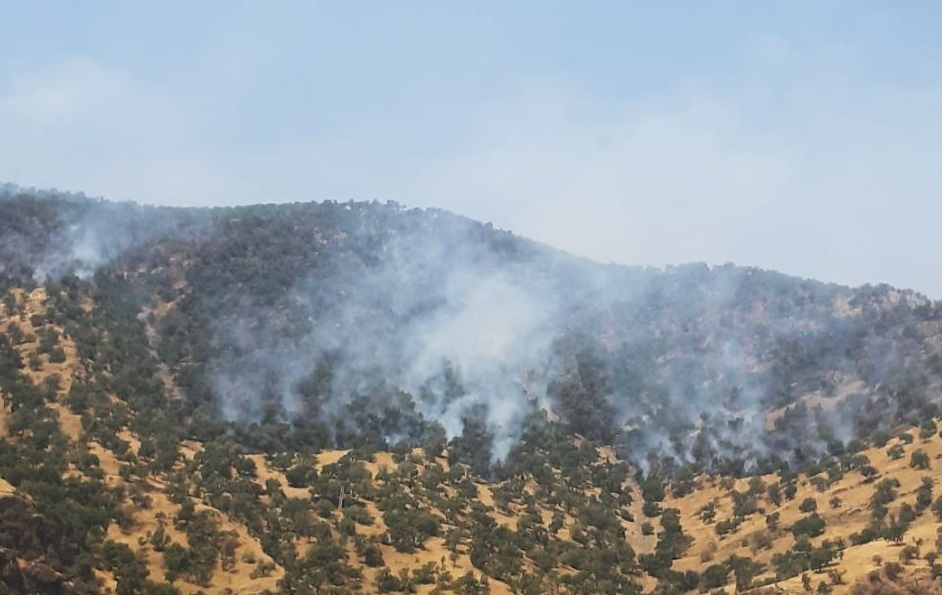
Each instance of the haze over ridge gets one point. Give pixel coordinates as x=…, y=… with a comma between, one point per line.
x=800, y=138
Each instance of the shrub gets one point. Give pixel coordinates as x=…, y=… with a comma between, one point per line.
x=373, y=556
x=808, y=505
x=812, y=526
x=651, y=509
x=715, y=576
x=896, y=452
x=919, y=460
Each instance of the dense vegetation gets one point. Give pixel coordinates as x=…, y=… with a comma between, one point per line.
x=206, y=327
x=672, y=365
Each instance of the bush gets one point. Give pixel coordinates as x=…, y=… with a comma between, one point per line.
x=387, y=582
x=812, y=526
x=57, y=355
x=927, y=429
x=908, y=554
x=373, y=556
x=919, y=460
x=896, y=452
x=893, y=570
x=728, y=526
x=651, y=509
x=715, y=576
x=358, y=514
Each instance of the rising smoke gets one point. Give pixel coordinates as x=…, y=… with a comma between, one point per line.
x=436, y=311
x=79, y=235
x=469, y=326
x=426, y=312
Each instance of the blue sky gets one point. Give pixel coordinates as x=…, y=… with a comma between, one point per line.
x=798, y=136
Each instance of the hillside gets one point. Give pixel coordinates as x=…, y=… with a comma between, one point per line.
x=360, y=397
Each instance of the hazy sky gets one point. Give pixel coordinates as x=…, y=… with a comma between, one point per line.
x=800, y=136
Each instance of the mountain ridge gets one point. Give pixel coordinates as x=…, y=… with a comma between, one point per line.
x=389, y=270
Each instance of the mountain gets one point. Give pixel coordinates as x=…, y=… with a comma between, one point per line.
x=337, y=397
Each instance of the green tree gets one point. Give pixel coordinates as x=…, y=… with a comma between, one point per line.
x=919, y=460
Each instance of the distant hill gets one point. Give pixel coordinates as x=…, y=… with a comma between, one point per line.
x=297, y=397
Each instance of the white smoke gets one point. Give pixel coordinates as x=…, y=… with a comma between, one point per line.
x=437, y=302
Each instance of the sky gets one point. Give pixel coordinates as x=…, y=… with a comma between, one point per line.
x=803, y=136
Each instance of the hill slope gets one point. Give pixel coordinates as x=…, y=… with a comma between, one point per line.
x=343, y=397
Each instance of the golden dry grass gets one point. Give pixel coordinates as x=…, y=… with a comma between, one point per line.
x=853, y=515
x=145, y=520
x=707, y=547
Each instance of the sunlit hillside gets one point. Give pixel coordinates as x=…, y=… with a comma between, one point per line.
x=337, y=398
